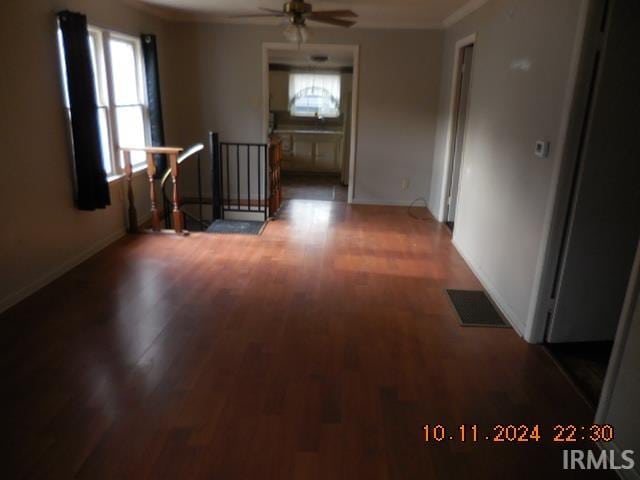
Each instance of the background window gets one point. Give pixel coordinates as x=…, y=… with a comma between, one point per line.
x=128, y=94
x=119, y=82
x=97, y=63
x=312, y=95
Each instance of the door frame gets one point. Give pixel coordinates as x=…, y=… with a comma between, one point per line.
x=563, y=179
x=329, y=48
x=454, y=104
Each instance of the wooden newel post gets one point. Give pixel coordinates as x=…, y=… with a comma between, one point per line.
x=172, y=152
x=275, y=158
x=151, y=172
x=177, y=215
x=128, y=170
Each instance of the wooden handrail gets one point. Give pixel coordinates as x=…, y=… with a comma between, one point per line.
x=172, y=153
x=154, y=150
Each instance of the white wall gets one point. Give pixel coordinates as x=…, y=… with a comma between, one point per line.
x=43, y=234
x=399, y=81
x=524, y=49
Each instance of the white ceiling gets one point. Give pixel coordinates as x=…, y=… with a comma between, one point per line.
x=300, y=58
x=372, y=13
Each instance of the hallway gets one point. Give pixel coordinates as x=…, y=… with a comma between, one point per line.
x=309, y=186
x=317, y=350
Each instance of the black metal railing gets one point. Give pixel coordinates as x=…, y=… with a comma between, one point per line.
x=239, y=177
x=192, y=221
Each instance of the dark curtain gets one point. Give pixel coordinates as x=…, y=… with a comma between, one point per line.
x=91, y=186
x=150, y=54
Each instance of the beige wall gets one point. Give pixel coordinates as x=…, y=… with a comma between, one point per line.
x=278, y=91
x=211, y=80
x=43, y=233
x=398, y=93
x=519, y=94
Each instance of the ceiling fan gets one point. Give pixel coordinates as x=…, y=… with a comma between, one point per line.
x=298, y=12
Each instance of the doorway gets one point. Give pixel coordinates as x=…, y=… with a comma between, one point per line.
x=310, y=108
x=461, y=96
x=596, y=230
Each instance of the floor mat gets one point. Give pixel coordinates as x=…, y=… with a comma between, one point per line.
x=474, y=309
x=237, y=227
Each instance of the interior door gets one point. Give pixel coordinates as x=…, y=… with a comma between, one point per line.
x=603, y=226
x=464, y=85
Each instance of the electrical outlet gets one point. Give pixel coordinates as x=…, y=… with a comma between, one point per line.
x=405, y=183
x=542, y=148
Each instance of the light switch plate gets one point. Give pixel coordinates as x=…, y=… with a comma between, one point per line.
x=542, y=148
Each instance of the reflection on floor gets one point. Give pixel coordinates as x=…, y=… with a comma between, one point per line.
x=586, y=364
x=309, y=186
x=317, y=350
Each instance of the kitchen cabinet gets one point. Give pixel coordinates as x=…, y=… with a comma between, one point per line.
x=311, y=150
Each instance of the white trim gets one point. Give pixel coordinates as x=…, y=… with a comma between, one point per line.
x=384, y=203
x=137, y=170
x=446, y=178
x=53, y=274
x=467, y=9
x=500, y=303
x=355, y=50
x=545, y=267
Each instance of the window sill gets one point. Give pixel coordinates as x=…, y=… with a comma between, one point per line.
x=137, y=170
x=324, y=117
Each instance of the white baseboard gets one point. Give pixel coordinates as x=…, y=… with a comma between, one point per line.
x=497, y=299
x=22, y=293
x=383, y=203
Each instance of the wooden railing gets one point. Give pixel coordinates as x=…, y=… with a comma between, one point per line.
x=275, y=158
x=196, y=221
x=172, y=154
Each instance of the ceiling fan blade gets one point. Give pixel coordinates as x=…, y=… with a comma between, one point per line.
x=258, y=15
x=336, y=13
x=271, y=10
x=331, y=21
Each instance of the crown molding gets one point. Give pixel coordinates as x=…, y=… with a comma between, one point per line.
x=462, y=12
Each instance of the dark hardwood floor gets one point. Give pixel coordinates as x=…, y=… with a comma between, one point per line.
x=313, y=186
x=316, y=351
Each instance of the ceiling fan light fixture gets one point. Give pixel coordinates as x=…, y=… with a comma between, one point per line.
x=296, y=33
x=305, y=33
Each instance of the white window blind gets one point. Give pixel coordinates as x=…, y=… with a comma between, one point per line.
x=314, y=94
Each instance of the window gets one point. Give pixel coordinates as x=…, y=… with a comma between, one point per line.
x=120, y=93
x=314, y=95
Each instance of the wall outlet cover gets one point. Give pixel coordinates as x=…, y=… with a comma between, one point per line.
x=542, y=148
